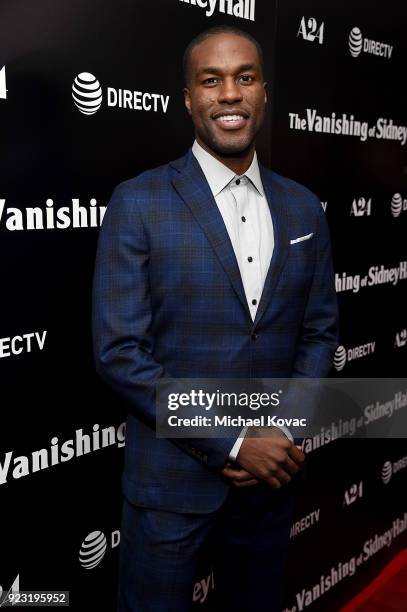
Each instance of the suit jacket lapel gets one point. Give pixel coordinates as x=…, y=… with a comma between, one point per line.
x=192, y=186
x=278, y=209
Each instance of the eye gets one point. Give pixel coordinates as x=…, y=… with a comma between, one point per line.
x=247, y=78
x=209, y=81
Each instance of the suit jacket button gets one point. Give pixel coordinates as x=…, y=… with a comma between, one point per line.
x=255, y=336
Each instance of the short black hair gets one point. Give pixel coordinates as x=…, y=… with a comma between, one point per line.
x=212, y=31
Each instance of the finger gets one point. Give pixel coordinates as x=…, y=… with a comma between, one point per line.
x=290, y=466
x=237, y=475
x=296, y=454
x=282, y=476
x=246, y=483
x=230, y=472
x=273, y=482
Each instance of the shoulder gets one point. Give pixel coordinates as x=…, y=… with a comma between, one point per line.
x=152, y=185
x=297, y=196
x=146, y=182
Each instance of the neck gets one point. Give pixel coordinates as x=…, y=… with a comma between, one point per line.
x=238, y=163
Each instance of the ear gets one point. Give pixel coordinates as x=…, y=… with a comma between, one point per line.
x=265, y=92
x=187, y=100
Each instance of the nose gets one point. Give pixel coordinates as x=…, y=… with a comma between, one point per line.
x=229, y=91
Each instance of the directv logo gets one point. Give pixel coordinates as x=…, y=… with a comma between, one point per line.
x=87, y=96
x=87, y=93
x=387, y=471
x=357, y=44
x=356, y=352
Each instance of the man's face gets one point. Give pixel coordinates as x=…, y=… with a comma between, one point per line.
x=226, y=95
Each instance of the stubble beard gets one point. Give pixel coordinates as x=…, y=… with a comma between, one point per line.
x=235, y=147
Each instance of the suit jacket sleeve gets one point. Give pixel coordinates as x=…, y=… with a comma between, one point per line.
x=122, y=319
x=319, y=335
x=318, y=339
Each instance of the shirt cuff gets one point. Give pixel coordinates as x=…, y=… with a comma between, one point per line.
x=286, y=431
x=236, y=447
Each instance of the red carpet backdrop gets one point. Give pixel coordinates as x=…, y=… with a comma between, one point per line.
x=91, y=95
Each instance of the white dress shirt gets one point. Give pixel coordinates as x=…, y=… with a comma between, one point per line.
x=243, y=205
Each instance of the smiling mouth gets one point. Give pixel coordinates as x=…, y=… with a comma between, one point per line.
x=231, y=122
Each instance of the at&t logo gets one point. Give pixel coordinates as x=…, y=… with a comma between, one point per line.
x=397, y=204
x=387, y=471
x=401, y=338
x=310, y=30
x=340, y=358
x=87, y=93
x=94, y=546
x=357, y=44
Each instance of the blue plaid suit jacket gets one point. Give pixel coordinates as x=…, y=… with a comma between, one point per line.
x=168, y=301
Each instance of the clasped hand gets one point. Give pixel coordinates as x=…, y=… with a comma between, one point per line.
x=267, y=455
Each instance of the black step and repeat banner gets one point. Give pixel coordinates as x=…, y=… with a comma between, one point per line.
x=336, y=122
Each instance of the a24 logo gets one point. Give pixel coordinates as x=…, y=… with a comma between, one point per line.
x=353, y=493
x=361, y=207
x=310, y=30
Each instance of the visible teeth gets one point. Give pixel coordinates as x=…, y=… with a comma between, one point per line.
x=230, y=117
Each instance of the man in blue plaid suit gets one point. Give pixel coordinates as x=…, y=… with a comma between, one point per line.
x=211, y=266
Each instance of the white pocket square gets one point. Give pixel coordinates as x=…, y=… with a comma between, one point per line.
x=301, y=238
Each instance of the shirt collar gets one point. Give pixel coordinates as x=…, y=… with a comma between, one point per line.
x=218, y=175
